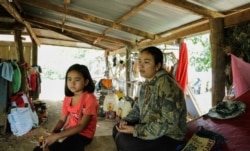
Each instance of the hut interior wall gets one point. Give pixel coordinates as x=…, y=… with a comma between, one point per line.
x=9, y=52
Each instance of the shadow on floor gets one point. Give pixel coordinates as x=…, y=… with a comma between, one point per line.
x=102, y=143
x=103, y=140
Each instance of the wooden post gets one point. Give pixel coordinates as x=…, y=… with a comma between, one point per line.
x=34, y=53
x=128, y=67
x=19, y=49
x=218, y=60
x=107, y=64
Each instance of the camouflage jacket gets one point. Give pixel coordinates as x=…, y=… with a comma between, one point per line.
x=160, y=108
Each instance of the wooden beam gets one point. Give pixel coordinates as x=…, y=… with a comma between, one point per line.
x=239, y=9
x=87, y=17
x=66, y=1
x=11, y=43
x=34, y=57
x=133, y=11
x=177, y=33
x=194, y=24
x=7, y=26
x=218, y=60
x=83, y=39
x=78, y=37
x=13, y=12
x=31, y=32
x=72, y=29
x=66, y=43
x=183, y=4
x=237, y=18
x=128, y=15
x=7, y=19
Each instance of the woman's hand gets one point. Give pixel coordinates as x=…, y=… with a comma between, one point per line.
x=124, y=128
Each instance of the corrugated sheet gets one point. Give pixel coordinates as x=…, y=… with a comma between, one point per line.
x=220, y=5
x=157, y=17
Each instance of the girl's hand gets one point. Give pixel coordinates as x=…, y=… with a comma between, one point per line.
x=50, y=140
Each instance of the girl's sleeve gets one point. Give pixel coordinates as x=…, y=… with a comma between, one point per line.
x=64, y=106
x=91, y=105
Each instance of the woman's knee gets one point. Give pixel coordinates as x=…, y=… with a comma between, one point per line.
x=114, y=131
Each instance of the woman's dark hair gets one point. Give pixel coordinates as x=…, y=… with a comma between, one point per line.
x=156, y=53
x=84, y=71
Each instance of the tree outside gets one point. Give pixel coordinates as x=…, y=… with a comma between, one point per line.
x=55, y=61
x=199, y=63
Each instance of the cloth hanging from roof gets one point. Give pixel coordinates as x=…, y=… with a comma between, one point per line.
x=241, y=74
x=181, y=72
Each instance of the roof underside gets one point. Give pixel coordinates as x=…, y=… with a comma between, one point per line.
x=116, y=24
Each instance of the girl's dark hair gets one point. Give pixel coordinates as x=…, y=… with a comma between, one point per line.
x=156, y=53
x=84, y=71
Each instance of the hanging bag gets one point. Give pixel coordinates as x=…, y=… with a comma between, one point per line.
x=22, y=116
x=20, y=120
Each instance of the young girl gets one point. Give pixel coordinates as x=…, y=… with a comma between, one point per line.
x=77, y=124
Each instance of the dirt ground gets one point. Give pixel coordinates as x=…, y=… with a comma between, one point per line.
x=27, y=142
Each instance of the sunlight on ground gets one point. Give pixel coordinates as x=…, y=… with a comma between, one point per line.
x=204, y=101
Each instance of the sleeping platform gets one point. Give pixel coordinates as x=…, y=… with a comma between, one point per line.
x=236, y=130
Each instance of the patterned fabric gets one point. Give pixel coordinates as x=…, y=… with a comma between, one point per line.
x=161, y=109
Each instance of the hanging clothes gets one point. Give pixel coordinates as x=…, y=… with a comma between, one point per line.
x=33, y=83
x=182, y=68
x=38, y=80
x=7, y=71
x=3, y=91
x=16, y=77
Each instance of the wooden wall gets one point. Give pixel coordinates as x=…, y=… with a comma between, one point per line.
x=9, y=52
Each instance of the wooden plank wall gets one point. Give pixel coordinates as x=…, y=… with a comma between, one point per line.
x=9, y=52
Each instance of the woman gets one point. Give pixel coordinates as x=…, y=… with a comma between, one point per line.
x=158, y=118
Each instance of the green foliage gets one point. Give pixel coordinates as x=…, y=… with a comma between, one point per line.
x=55, y=60
x=237, y=39
x=200, y=58
x=237, y=42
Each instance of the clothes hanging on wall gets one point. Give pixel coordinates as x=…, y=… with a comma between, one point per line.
x=34, y=81
x=3, y=91
x=7, y=71
x=16, y=77
x=182, y=68
x=8, y=84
